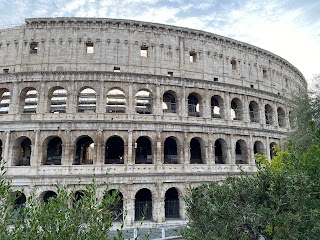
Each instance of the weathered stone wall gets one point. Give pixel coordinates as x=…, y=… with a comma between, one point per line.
x=221, y=67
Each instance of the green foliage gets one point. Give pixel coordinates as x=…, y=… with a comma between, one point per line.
x=305, y=117
x=281, y=201
x=60, y=218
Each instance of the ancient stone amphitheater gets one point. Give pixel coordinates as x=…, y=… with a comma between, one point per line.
x=157, y=107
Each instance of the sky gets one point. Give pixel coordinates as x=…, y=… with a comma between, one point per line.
x=288, y=28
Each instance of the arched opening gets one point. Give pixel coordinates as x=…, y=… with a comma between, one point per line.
x=84, y=151
x=58, y=101
x=4, y=101
x=54, y=151
x=195, y=151
x=143, y=204
x=77, y=198
x=169, y=104
x=22, y=151
x=258, y=147
x=281, y=117
x=116, y=101
x=216, y=107
x=117, y=208
x=236, y=109
x=143, y=150
x=87, y=100
x=172, y=204
x=30, y=100
x=47, y=195
x=254, y=111
x=170, y=150
x=19, y=199
x=143, y=102
x=220, y=151
x=241, y=152
x=193, y=105
x=114, y=150
x=273, y=150
x=268, y=114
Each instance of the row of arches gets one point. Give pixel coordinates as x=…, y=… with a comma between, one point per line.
x=143, y=202
x=116, y=102
x=115, y=151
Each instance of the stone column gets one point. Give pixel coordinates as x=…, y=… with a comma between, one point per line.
x=184, y=104
x=157, y=106
x=35, y=158
x=206, y=105
x=227, y=104
x=129, y=205
x=67, y=157
x=232, y=150
x=268, y=148
x=99, y=159
x=6, y=158
x=245, y=109
x=251, y=150
x=130, y=148
x=186, y=150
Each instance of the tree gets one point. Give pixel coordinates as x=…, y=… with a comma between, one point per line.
x=305, y=113
x=62, y=217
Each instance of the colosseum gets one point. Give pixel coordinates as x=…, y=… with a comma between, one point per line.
x=156, y=107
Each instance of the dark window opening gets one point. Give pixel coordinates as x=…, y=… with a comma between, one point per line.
x=193, y=106
x=33, y=47
x=169, y=103
x=116, y=69
x=6, y=70
x=220, y=151
x=264, y=73
x=114, y=151
x=48, y=195
x=254, y=112
x=23, y=153
x=170, y=74
x=84, y=151
x=54, y=152
x=19, y=199
x=241, y=152
x=236, y=109
x=216, y=103
x=251, y=85
x=143, y=151
x=234, y=64
x=170, y=151
x=195, y=152
x=117, y=209
x=215, y=79
x=193, y=57
x=268, y=114
x=143, y=205
x=172, y=204
x=273, y=150
x=281, y=117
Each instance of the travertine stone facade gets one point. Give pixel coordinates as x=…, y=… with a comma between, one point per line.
x=157, y=107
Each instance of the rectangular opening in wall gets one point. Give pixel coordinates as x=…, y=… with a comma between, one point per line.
x=193, y=57
x=144, y=51
x=170, y=74
x=6, y=70
x=215, y=79
x=89, y=47
x=251, y=85
x=264, y=73
x=33, y=47
x=116, y=69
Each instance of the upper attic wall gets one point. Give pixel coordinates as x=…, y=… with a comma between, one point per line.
x=117, y=43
